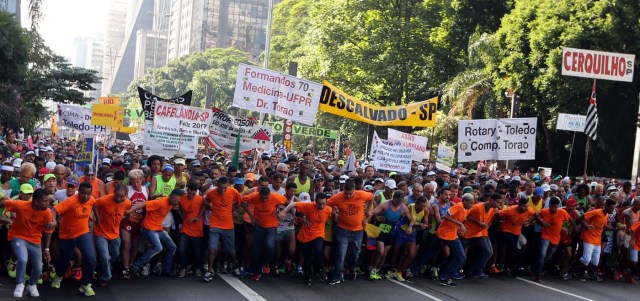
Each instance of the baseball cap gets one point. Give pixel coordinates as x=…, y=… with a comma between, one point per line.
x=42, y=171
x=168, y=167
x=50, y=166
x=467, y=189
x=29, y=153
x=304, y=197
x=340, y=162
x=73, y=181
x=128, y=164
x=538, y=191
x=554, y=187
x=545, y=187
x=239, y=181
x=48, y=176
x=368, y=188
x=572, y=202
x=391, y=184
x=106, y=161
x=179, y=161
x=431, y=173
x=205, y=157
x=343, y=179
x=89, y=170
x=26, y=188
x=195, y=163
x=398, y=194
x=250, y=177
x=378, y=180
x=516, y=178
x=318, y=176
x=420, y=167
x=17, y=163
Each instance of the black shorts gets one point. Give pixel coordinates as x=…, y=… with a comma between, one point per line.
x=387, y=238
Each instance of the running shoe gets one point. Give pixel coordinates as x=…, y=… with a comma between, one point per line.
x=435, y=273
x=56, y=282
x=255, y=277
x=335, y=281
x=495, y=270
x=87, y=290
x=373, y=275
x=126, y=274
x=389, y=275
x=307, y=281
x=458, y=276
x=19, y=291
x=617, y=275
x=480, y=275
x=289, y=267
x=11, y=268
x=266, y=269
x=596, y=277
x=145, y=269
x=398, y=276
x=77, y=273
x=32, y=291
x=565, y=276
x=583, y=276
x=208, y=276
x=197, y=273
x=182, y=273
x=447, y=282
x=322, y=276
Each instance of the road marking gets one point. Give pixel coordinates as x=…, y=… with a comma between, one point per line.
x=242, y=288
x=415, y=290
x=555, y=289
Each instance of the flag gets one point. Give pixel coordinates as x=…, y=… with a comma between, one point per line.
x=236, y=151
x=591, y=125
x=54, y=126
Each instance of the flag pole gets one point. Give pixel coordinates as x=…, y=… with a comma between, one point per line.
x=571, y=152
x=586, y=159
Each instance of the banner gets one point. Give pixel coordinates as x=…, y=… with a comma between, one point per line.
x=446, y=156
x=307, y=131
x=597, y=64
x=491, y=139
x=571, y=122
x=114, y=101
x=390, y=156
x=181, y=119
x=149, y=100
x=85, y=156
x=107, y=115
x=417, y=143
x=137, y=138
x=417, y=114
x=224, y=131
x=276, y=93
x=79, y=119
x=168, y=145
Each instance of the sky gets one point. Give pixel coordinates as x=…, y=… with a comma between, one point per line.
x=65, y=20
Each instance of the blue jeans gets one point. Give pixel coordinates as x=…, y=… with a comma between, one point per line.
x=264, y=245
x=481, y=247
x=456, y=256
x=84, y=243
x=190, y=243
x=546, y=252
x=158, y=240
x=27, y=251
x=108, y=252
x=346, y=240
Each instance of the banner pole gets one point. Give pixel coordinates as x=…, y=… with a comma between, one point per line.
x=366, y=146
x=571, y=152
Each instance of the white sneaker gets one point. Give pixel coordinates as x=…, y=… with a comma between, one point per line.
x=19, y=290
x=32, y=290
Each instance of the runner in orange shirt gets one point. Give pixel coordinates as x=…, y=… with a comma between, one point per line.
x=593, y=223
x=31, y=219
x=349, y=204
x=75, y=213
x=110, y=210
x=550, y=238
x=447, y=234
x=153, y=232
x=265, y=222
x=191, y=205
x=311, y=235
x=478, y=221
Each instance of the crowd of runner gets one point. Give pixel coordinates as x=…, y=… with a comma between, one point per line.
x=135, y=214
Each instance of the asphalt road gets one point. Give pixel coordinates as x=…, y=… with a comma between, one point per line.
x=225, y=287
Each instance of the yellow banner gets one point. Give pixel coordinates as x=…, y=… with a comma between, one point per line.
x=418, y=114
x=125, y=129
x=114, y=101
x=107, y=115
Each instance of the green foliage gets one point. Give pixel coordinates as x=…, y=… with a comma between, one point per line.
x=213, y=71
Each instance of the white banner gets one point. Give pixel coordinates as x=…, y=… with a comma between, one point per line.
x=276, y=93
x=166, y=144
x=597, y=64
x=446, y=155
x=390, y=156
x=137, y=138
x=417, y=143
x=224, y=132
x=517, y=138
x=79, y=119
x=477, y=140
x=180, y=119
x=571, y=122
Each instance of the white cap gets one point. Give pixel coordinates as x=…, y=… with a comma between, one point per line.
x=431, y=173
x=516, y=178
x=343, y=179
x=106, y=161
x=48, y=149
x=17, y=163
x=434, y=184
x=545, y=187
x=51, y=165
x=391, y=184
x=554, y=187
x=179, y=161
x=304, y=197
x=507, y=177
x=420, y=167
x=30, y=153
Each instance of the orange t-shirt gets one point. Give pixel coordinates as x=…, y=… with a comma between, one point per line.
x=265, y=212
x=222, y=207
x=95, y=186
x=598, y=219
x=29, y=223
x=111, y=214
x=636, y=235
x=512, y=219
x=448, y=230
x=316, y=218
x=478, y=212
x=350, y=212
x=74, y=220
x=190, y=210
x=555, y=220
x=157, y=210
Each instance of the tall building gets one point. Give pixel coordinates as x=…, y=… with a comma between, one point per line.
x=11, y=6
x=114, y=35
x=89, y=53
x=197, y=25
x=151, y=51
